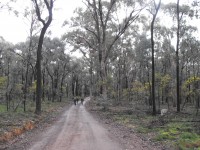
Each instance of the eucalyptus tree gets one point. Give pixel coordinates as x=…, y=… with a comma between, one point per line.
x=31, y=18
x=6, y=64
x=46, y=23
x=103, y=25
x=142, y=61
x=56, y=66
x=181, y=13
x=78, y=77
x=24, y=56
x=177, y=57
x=154, y=12
x=13, y=67
x=3, y=46
x=166, y=67
x=190, y=69
x=120, y=64
x=28, y=47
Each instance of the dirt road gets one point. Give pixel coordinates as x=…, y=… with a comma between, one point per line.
x=76, y=130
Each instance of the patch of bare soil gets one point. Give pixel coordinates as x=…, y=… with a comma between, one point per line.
x=130, y=138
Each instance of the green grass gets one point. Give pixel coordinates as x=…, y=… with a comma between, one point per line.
x=2, y=108
x=189, y=141
x=179, y=134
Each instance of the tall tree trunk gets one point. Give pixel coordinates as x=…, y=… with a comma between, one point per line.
x=7, y=88
x=152, y=59
x=25, y=86
x=43, y=83
x=119, y=82
x=49, y=6
x=91, y=78
x=177, y=59
x=27, y=65
x=39, y=72
x=61, y=90
x=104, y=80
x=62, y=83
x=61, y=87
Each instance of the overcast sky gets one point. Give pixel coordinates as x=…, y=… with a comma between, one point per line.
x=15, y=29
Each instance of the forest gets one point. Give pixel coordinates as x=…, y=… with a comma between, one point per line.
x=139, y=54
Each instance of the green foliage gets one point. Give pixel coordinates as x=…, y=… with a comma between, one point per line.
x=189, y=136
x=181, y=134
x=3, y=81
x=189, y=141
x=190, y=81
x=163, y=80
x=165, y=135
x=180, y=126
x=139, y=87
x=169, y=133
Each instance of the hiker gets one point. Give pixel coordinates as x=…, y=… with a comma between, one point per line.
x=77, y=99
x=82, y=99
x=74, y=101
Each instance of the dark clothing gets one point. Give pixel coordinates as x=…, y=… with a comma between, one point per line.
x=82, y=101
x=74, y=101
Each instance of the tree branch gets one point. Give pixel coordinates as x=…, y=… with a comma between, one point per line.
x=38, y=12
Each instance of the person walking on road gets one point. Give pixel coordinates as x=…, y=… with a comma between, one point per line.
x=74, y=101
x=82, y=100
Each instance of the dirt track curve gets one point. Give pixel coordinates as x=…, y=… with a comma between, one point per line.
x=76, y=130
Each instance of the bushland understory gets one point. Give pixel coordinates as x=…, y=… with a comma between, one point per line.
x=14, y=124
x=172, y=130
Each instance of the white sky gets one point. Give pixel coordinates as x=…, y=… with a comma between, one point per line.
x=15, y=29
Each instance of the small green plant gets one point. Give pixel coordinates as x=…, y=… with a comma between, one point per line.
x=189, y=140
x=165, y=135
x=189, y=136
x=181, y=134
x=3, y=80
